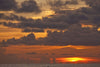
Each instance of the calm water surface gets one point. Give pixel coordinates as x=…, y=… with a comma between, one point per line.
x=40, y=54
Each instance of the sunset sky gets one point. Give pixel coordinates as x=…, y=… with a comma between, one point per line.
x=71, y=28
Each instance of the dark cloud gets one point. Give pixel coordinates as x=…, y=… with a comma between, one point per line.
x=29, y=6
x=95, y=4
x=93, y=11
x=10, y=17
x=32, y=30
x=35, y=24
x=74, y=2
x=57, y=5
x=26, y=6
x=62, y=20
x=56, y=22
x=14, y=17
x=76, y=35
x=69, y=18
x=29, y=39
x=6, y=5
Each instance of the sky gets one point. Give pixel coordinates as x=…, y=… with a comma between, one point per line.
x=48, y=19
x=46, y=9
x=71, y=26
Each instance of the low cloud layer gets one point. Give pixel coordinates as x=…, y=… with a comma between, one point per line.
x=32, y=30
x=76, y=35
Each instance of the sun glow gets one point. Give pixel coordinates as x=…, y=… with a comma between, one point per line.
x=74, y=60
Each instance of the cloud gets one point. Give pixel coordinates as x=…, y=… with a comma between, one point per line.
x=29, y=6
x=93, y=11
x=71, y=17
x=34, y=24
x=74, y=2
x=76, y=35
x=29, y=39
x=6, y=5
x=32, y=30
x=55, y=22
x=26, y=6
x=14, y=17
x=57, y=5
x=95, y=4
x=61, y=20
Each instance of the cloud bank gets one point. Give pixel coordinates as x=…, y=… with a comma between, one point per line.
x=76, y=35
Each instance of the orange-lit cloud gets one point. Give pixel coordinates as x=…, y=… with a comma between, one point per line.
x=87, y=26
x=44, y=14
x=98, y=29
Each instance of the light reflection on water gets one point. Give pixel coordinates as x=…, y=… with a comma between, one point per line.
x=67, y=60
x=76, y=60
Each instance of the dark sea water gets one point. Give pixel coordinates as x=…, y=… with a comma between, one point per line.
x=50, y=65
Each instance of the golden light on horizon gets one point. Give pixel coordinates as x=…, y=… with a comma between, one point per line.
x=80, y=47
